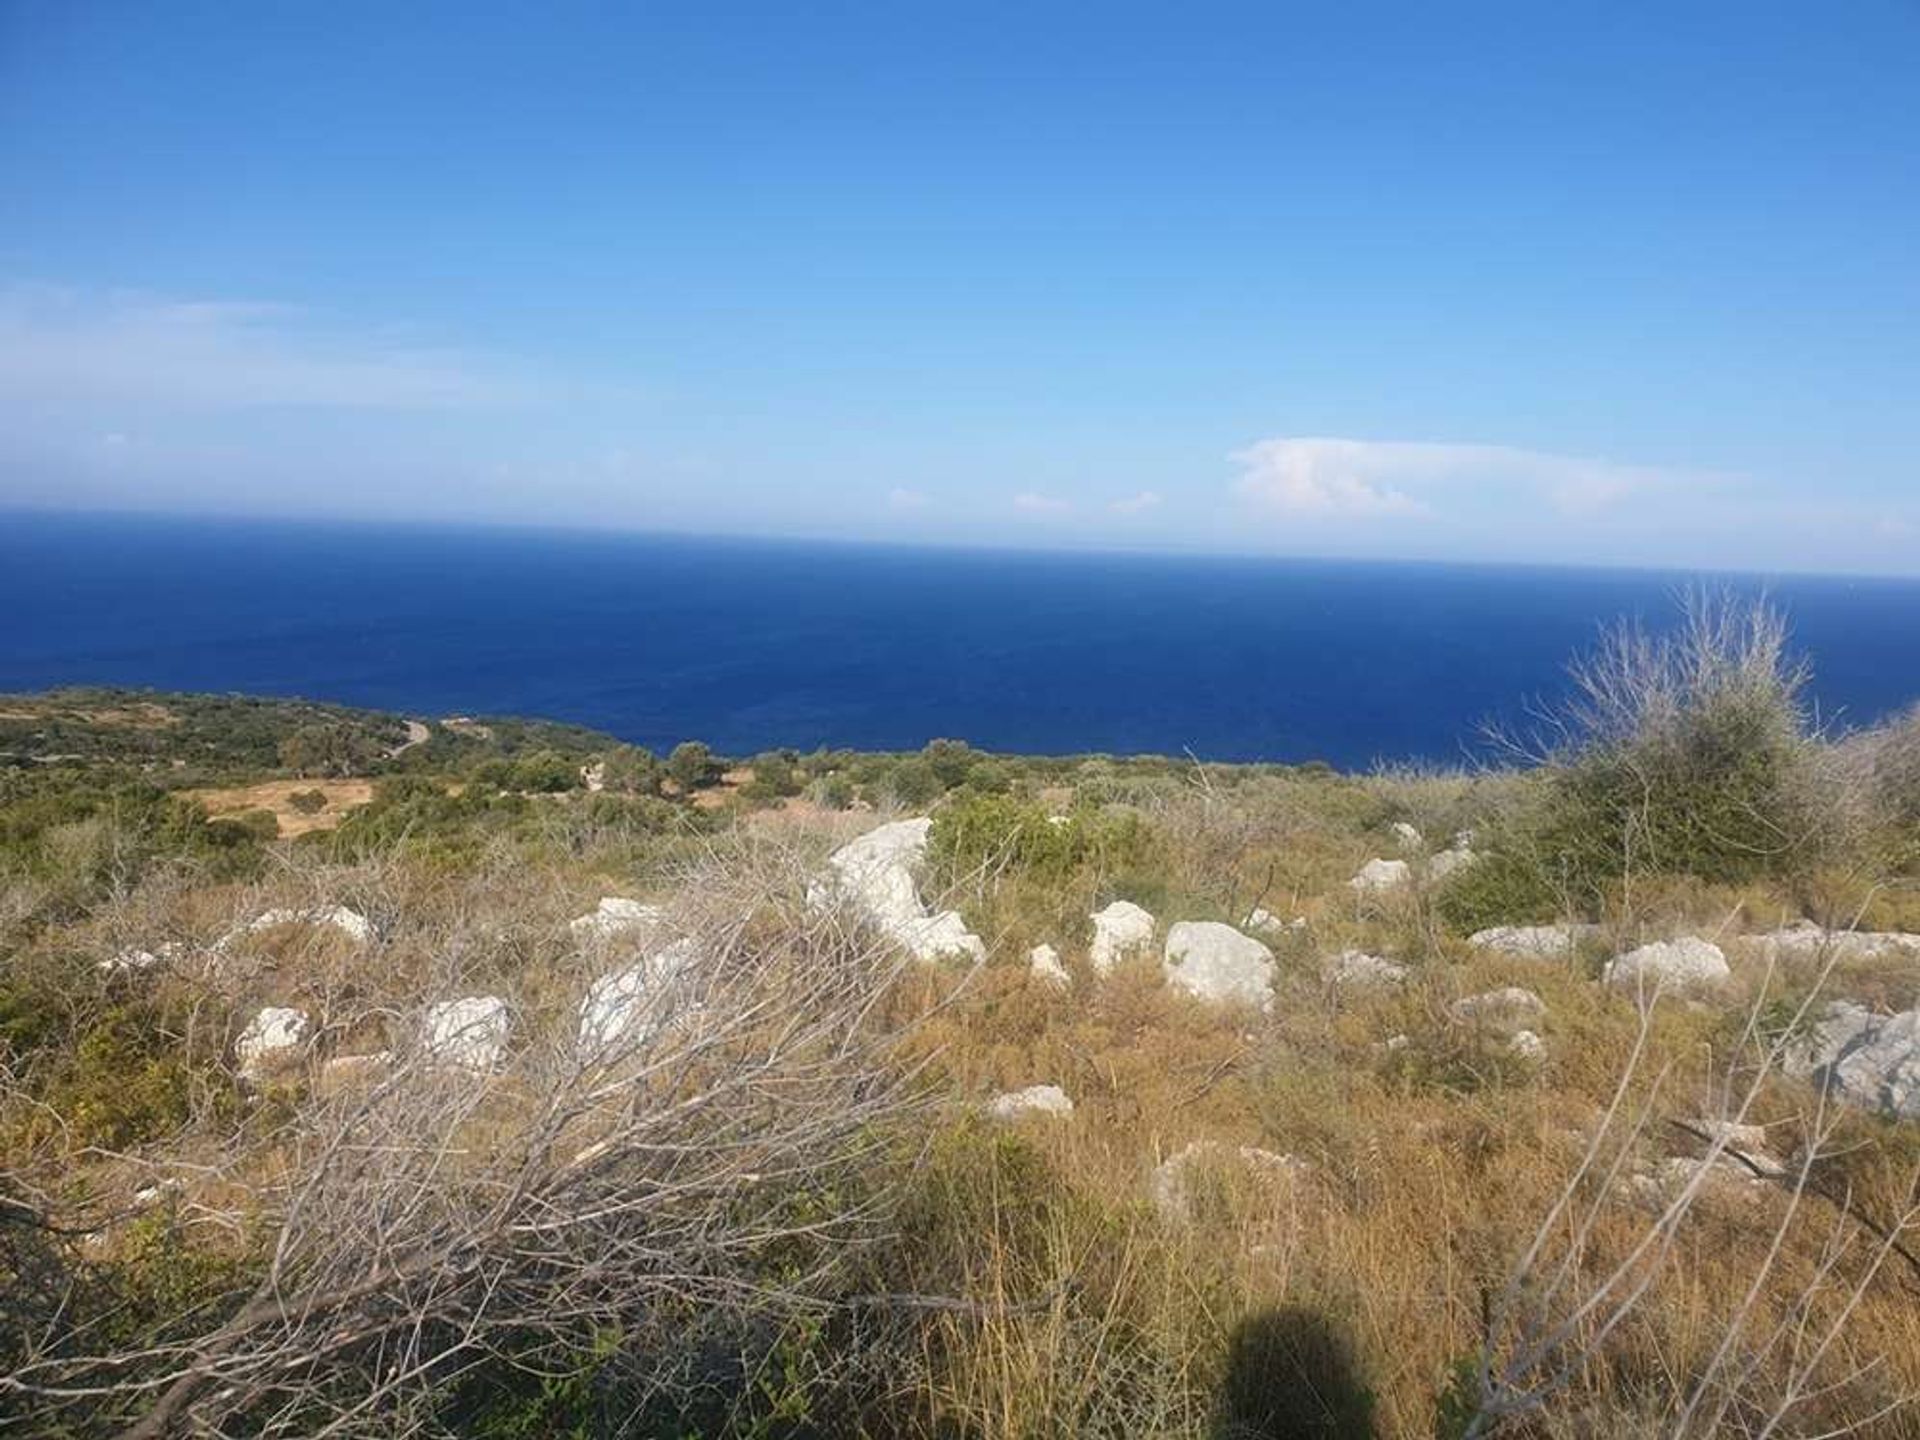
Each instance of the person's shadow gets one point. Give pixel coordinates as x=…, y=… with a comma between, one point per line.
x=1291, y=1373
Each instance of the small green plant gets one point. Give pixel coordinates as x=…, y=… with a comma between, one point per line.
x=308, y=802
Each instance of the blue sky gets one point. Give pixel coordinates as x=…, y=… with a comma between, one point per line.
x=1611, y=283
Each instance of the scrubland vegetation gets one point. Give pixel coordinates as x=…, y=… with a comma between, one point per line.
x=776, y=1206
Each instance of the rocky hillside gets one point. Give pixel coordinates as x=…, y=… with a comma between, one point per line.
x=559, y=1089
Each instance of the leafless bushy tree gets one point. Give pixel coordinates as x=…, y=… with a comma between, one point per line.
x=703, y=1141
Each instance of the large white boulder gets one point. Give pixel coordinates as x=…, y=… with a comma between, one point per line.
x=470, y=1032
x=629, y=1008
x=874, y=874
x=272, y=1038
x=1043, y=962
x=1355, y=969
x=615, y=915
x=1382, y=877
x=1871, y=1061
x=1533, y=942
x=1216, y=963
x=1689, y=963
x=1048, y=1100
x=1120, y=930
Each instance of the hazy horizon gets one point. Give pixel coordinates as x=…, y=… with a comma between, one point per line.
x=1546, y=288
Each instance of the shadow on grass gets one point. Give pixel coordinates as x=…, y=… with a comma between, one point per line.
x=1291, y=1373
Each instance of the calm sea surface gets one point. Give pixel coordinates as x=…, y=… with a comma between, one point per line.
x=749, y=645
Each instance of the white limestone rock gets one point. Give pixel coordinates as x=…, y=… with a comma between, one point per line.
x=1689, y=963
x=1870, y=1061
x=133, y=960
x=1218, y=964
x=1449, y=862
x=1507, y=1008
x=1406, y=836
x=1355, y=969
x=1525, y=1045
x=1048, y=1100
x=1173, y=1184
x=614, y=916
x=1120, y=930
x=1043, y=962
x=272, y=1039
x=348, y=922
x=874, y=874
x=1265, y=922
x=628, y=1009
x=1805, y=940
x=470, y=1032
x=1382, y=877
x=1533, y=942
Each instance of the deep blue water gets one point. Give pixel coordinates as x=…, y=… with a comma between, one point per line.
x=749, y=645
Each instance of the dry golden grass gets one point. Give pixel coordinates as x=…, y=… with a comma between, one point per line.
x=276, y=798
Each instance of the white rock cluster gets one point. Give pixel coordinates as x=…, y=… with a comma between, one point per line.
x=874, y=874
x=1689, y=963
x=1218, y=964
x=1266, y=922
x=1120, y=930
x=1504, y=1009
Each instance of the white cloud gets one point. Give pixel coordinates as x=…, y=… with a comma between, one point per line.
x=1040, y=504
x=1134, y=504
x=1333, y=477
x=109, y=349
x=899, y=498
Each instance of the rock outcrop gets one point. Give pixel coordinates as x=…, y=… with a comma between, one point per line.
x=1174, y=1184
x=874, y=874
x=1870, y=1061
x=1218, y=964
x=272, y=1039
x=470, y=1032
x=1805, y=940
x=624, y=1011
x=1689, y=963
x=1047, y=1100
x=1120, y=930
x=614, y=916
x=348, y=922
x=1382, y=877
x=1533, y=942
x=1043, y=963
x=1355, y=969
x=1507, y=1009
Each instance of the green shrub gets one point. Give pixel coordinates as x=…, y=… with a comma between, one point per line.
x=988, y=832
x=690, y=765
x=1688, y=753
x=308, y=802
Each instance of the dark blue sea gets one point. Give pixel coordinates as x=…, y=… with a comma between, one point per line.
x=750, y=645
